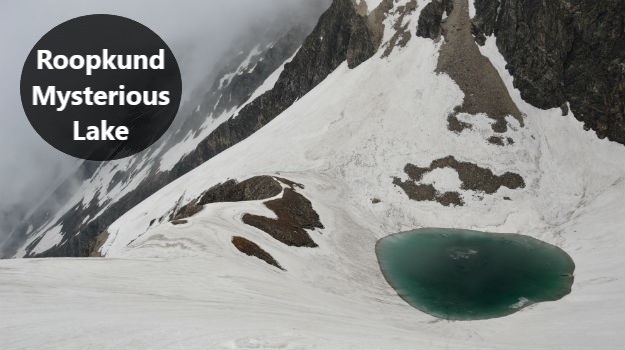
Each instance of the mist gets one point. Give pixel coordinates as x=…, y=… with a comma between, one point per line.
x=199, y=33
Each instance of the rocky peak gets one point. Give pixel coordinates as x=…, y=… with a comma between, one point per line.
x=563, y=51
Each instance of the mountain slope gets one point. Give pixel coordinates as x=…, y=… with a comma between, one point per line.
x=347, y=37
x=83, y=206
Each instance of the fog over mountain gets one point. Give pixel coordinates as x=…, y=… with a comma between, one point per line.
x=198, y=32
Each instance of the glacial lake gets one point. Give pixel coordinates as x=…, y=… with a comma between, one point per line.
x=470, y=275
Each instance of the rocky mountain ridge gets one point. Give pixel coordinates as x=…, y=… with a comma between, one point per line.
x=563, y=53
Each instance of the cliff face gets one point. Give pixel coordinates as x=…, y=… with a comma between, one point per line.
x=564, y=51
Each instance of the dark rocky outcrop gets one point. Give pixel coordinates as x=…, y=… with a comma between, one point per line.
x=456, y=125
x=500, y=141
x=253, y=189
x=427, y=193
x=295, y=215
x=482, y=23
x=416, y=192
x=431, y=17
x=250, y=248
x=496, y=140
x=186, y=211
x=472, y=177
x=292, y=184
x=477, y=178
x=450, y=198
x=564, y=51
x=99, y=242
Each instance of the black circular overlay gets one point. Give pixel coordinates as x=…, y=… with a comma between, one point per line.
x=90, y=35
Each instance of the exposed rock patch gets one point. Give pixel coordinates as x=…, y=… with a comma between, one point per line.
x=500, y=141
x=565, y=109
x=456, y=125
x=187, y=211
x=402, y=33
x=472, y=177
x=496, y=140
x=427, y=192
x=476, y=178
x=431, y=18
x=252, y=189
x=450, y=198
x=250, y=248
x=460, y=58
x=99, y=242
x=292, y=184
x=483, y=22
x=295, y=215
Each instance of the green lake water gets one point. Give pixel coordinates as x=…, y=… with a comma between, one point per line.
x=469, y=275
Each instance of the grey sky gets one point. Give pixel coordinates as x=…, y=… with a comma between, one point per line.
x=199, y=32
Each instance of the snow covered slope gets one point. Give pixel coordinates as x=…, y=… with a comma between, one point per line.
x=184, y=285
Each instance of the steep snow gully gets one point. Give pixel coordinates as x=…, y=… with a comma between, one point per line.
x=208, y=279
